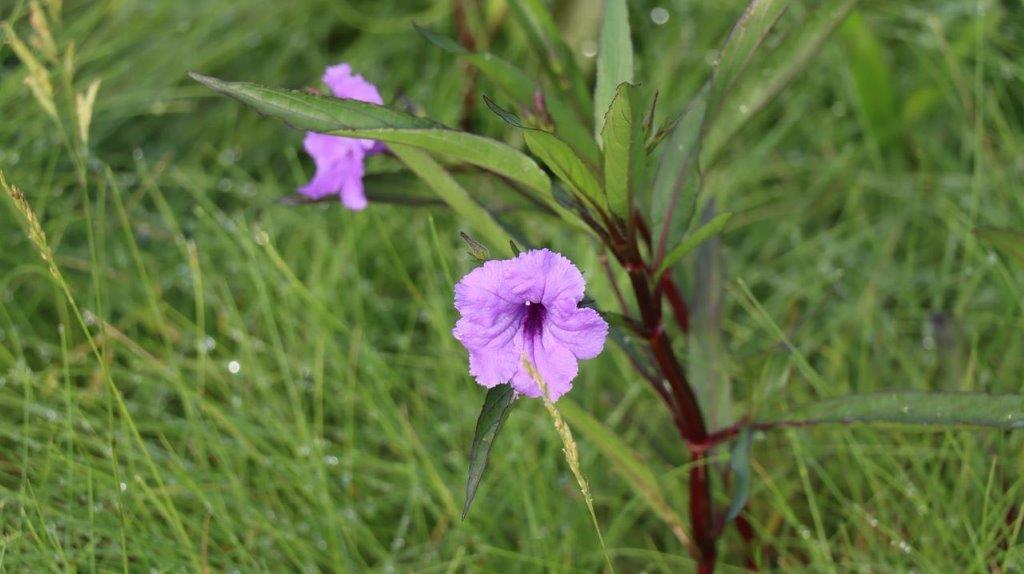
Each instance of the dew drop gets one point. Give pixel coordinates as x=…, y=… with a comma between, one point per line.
x=659, y=15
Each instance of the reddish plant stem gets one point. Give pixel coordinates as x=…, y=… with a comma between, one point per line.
x=676, y=301
x=690, y=420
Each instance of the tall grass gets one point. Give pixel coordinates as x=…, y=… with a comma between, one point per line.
x=293, y=399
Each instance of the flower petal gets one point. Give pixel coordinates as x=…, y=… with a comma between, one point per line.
x=553, y=361
x=344, y=84
x=352, y=195
x=489, y=325
x=583, y=331
x=543, y=276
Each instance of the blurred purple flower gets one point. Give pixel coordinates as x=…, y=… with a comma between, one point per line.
x=339, y=160
x=527, y=305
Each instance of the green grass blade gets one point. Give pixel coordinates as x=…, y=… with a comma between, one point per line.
x=640, y=477
x=694, y=240
x=353, y=118
x=497, y=406
x=1010, y=242
x=614, y=59
x=752, y=95
x=872, y=83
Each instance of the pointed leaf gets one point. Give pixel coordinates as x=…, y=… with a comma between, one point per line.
x=677, y=181
x=693, y=240
x=351, y=118
x=624, y=153
x=567, y=165
x=497, y=405
x=914, y=408
x=614, y=59
x=440, y=40
x=746, y=37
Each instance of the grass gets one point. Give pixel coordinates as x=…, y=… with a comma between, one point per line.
x=293, y=399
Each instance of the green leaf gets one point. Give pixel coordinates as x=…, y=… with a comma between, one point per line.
x=677, y=182
x=752, y=95
x=707, y=356
x=440, y=40
x=693, y=240
x=746, y=37
x=739, y=463
x=567, y=165
x=451, y=192
x=624, y=150
x=497, y=405
x=546, y=39
x=873, y=84
x=1009, y=241
x=640, y=477
x=914, y=408
x=351, y=118
x=614, y=59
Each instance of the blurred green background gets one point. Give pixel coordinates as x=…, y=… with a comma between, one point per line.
x=293, y=398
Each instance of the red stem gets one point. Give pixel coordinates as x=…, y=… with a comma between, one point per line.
x=676, y=301
x=688, y=416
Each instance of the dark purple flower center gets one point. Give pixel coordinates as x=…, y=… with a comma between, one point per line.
x=534, y=322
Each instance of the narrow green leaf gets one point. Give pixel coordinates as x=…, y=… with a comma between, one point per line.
x=693, y=240
x=546, y=39
x=872, y=82
x=497, y=405
x=640, y=477
x=677, y=182
x=753, y=94
x=739, y=463
x=351, y=118
x=707, y=364
x=1009, y=241
x=567, y=165
x=614, y=59
x=505, y=115
x=746, y=37
x=440, y=40
x=914, y=408
x=451, y=192
x=624, y=152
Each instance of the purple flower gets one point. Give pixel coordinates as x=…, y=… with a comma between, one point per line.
x=527, y=306
x=339, y=160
